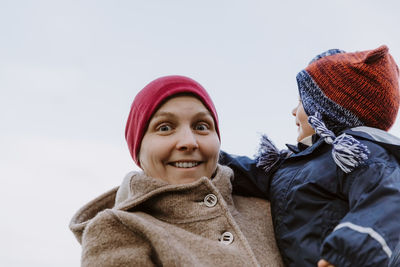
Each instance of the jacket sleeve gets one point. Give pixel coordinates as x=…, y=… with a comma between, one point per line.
x=107, y=242
x=369, y=232
x=249, y=179
x=395, y=259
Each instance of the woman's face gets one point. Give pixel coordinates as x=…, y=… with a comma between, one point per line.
x=181, y=143
x=304, y=128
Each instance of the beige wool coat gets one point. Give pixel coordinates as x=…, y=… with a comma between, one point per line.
x=148, y=222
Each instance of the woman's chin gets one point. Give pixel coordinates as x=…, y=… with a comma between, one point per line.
x=185, y=177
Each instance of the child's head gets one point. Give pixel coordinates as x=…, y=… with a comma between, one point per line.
x=351, y=89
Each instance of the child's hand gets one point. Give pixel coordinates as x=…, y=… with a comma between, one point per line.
x=324, y=263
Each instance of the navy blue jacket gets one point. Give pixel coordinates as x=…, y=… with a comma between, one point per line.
x=321, y=212
x=395, y=259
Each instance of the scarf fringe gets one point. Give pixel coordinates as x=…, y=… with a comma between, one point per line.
x=348, y=153
x=268, y=155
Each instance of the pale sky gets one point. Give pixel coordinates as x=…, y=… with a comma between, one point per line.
x=69, y=71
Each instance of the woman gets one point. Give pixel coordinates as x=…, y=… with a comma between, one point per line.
x=179, y=211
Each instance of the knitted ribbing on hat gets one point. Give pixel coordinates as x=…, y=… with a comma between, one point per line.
x=348, y=153
x=352, y=89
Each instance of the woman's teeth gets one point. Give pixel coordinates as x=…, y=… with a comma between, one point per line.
x=185, y=164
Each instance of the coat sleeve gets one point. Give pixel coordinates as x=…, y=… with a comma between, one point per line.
x=249, y=179
x=107, y=242
x=369, y=232
x=395, y=259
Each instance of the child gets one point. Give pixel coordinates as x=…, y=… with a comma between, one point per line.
x=335, y=197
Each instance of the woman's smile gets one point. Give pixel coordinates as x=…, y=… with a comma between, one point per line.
x=185, y=164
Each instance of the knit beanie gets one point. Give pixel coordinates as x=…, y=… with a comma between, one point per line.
x=352, y=89
x=151, y=97
x=341, y=90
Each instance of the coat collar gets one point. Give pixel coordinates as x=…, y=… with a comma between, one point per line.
x=383, y=138
x=304, y=150
x=175, y=202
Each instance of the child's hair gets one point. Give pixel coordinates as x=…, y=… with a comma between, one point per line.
x=351, y=89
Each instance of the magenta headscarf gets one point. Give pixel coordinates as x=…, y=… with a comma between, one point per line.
x=151, y=97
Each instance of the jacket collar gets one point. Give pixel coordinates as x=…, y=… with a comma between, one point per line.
x=383, y=138
x=167, y=202
x=302, y=150
x=175, y=202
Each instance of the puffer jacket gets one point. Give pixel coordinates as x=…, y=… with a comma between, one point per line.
x=321, y=212
x=148, y=222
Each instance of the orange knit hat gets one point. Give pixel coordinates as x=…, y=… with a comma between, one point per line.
x=352, y=89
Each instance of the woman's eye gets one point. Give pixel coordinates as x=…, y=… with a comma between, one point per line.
x=164, y=128
x=202, y=127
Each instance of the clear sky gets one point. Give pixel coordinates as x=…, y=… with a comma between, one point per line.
x=69, y=71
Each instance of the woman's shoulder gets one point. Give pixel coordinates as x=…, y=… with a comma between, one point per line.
x=89, y=211
x=105, y=201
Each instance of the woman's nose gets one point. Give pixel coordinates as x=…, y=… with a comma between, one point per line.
x=187, y=140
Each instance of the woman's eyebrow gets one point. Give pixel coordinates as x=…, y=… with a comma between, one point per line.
x=203, y=113
x=172, y=115
x=164, y=114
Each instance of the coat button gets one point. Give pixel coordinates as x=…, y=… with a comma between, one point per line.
x=210, y=200
x=226, y=238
